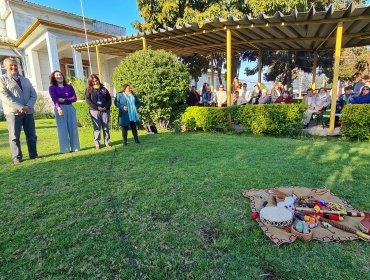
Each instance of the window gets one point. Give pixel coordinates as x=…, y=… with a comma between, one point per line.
x=70, y=71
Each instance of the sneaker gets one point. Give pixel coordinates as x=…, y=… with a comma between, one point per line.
x=17, y=161
x=124, y=143
x=97, y=147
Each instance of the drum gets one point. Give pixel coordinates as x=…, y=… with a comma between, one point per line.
x=276, y=216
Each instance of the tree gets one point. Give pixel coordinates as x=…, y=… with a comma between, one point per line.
x=159, y=80
x=354, y=61
x=161, y=13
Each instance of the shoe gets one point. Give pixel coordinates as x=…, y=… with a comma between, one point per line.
x=17, y=161
x=97, y=147
x=108, y=146
x=124, y=143
x=137, y=141
x=37, y=158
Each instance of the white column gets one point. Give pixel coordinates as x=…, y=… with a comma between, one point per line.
x=77, y=64
x=51, y=44
x=34, y=70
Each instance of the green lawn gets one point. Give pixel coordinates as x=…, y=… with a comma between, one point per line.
x=171, y=208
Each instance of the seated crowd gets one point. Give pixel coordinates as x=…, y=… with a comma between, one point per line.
x=317, y=103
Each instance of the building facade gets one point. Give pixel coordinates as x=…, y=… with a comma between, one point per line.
x=40, y=39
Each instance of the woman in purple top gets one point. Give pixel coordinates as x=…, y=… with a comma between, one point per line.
x=63, y=95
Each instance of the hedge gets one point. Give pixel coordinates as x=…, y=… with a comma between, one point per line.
x=270, y=119
x=355, y=121
x=83, y=116
x=205, y=118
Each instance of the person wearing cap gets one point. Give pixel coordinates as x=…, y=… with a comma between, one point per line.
x=345, y=98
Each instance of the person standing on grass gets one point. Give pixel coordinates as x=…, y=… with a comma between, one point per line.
x=128, y=103
x=63, y=95
x=99, y=100
x=18, y=97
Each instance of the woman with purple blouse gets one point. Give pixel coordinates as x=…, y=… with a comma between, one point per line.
x=63, y=95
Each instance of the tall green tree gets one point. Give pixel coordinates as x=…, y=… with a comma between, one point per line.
x=161, y=13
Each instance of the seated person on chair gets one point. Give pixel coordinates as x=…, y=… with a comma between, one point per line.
x=316, y=104
x=264, y=99
x=364, y=97
x=345, y=98
x=285, y=98
x=238, y=100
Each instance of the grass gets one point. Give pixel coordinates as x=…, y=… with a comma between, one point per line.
x=171, y=208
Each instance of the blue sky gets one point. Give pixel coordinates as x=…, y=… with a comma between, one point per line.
x=119, y=12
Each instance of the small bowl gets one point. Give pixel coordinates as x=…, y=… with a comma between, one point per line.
x=305, y=236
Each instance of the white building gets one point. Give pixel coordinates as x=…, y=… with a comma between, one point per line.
x=40, y=38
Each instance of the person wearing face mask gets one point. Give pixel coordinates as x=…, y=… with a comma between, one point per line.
x=18, y=97
x=63, y=95
x=99, y=100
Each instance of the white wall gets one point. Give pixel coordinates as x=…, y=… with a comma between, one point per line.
x=45, y=69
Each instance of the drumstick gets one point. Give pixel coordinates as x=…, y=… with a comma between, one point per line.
x=342, y=213
x=321, y=211
x=345, y=228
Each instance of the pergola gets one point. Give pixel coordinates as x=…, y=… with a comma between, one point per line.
x=300, y=31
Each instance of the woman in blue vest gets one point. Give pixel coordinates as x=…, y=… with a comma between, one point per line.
x=128, y=103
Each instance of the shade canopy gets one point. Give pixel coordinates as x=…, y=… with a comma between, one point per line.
x=300, y=31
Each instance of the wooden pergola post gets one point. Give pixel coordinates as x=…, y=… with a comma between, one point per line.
x=99, y=64
x=338, y=46
x=145, y=43
x=212, y=74
x=228, y=63
x=313, y=86
x=260, y=67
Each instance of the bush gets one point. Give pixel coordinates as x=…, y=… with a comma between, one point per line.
x=82, y=112
x=159, y=80
x=78, y=85
x=83, y=115
x=271, y=119
x=44, y=108
x=355, y=121
x=205, y=118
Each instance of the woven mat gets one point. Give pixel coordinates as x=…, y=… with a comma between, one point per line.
x=279, y=236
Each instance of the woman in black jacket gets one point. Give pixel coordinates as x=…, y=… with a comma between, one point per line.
x=99, y=100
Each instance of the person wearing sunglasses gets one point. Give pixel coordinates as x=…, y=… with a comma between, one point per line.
x=364, y=97
x=221, y=97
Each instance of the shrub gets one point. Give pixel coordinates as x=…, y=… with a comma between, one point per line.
x=355, y=121
x=272, y=119
x=159, y=80
x=44, y=108
x=83, y=115
x=205, y=118
x=82, y=112
x=78, y=85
